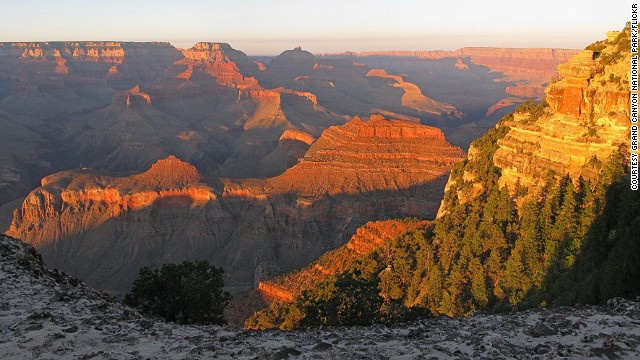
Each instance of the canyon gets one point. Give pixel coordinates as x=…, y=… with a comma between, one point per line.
x=121, y=106
x=308, y=179
x=583, y=120
x=104, y=228
x=136, y=149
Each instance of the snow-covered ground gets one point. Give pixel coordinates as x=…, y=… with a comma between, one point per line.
x=48, y=315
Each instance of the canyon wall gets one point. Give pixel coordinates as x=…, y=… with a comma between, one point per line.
x=367, y=239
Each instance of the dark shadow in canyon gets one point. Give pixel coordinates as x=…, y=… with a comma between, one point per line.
x=250, y=238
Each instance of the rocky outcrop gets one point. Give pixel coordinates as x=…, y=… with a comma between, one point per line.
x=297, y=135
x=64, y=194
x=525, y=90
x=568, y=96
x=413, y=97
x=460, y=65
x=504, y=103
x=169, y=173
x=587, y=119
x=220, y=61
x=293, y=62
x=131, y=96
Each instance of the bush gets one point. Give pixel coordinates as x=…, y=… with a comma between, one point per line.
x=534, y=110
x=597, y=46
x=187, y=293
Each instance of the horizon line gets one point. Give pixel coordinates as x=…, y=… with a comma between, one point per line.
x=344, y=52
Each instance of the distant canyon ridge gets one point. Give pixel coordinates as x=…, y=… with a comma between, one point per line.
x=131, y=154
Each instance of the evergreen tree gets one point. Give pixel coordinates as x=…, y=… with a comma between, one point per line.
x=187, y=293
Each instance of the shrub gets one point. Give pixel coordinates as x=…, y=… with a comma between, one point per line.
x=187, y=293
x=534, y=110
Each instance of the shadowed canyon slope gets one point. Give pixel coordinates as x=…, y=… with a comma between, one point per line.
x=103, y=228
x=367, y=238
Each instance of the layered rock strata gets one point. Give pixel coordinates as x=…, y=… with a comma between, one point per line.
x=587, y=119
x=366, y=156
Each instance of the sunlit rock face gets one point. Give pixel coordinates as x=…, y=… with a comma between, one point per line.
x=350, y=158
x=103, y=228
x=586, y=120
x=219, y=60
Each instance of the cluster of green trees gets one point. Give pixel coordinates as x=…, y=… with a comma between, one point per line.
x=577, y=241
x=574, y=241
x=186, y=293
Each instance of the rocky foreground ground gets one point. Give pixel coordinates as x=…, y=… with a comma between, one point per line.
x=45, y=314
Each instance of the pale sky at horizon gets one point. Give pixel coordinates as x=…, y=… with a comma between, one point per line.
x=270, y=27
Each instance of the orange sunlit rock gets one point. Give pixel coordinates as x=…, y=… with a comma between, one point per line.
x=367, y=239
x=370, y=155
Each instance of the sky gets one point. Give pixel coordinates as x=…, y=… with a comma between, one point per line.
x=261, y=27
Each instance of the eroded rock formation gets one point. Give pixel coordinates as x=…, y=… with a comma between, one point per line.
x=586, y=121
x=348, y=159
